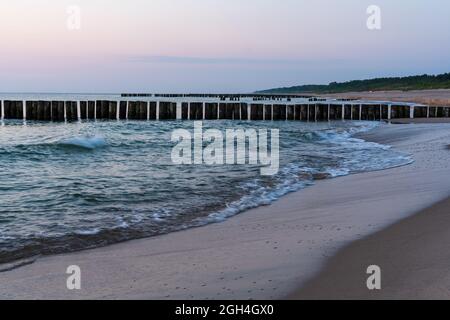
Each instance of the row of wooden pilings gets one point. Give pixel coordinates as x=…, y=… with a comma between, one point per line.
x=163, y=110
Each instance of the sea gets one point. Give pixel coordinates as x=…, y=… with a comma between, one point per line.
x=77, y=185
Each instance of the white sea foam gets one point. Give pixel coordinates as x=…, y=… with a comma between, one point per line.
x=85, y=142
x=87, y=232
x=289, y=176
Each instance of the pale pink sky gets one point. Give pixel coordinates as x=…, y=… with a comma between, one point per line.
x=215, y=45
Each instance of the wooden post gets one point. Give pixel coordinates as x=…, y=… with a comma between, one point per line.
x=184, y=110
x=106, y=110
x=276, y=112
x=57, y=111
x=267, y=114
x=290, y=114
x=67, y=111
x=73, y=106
x=11, y=110
x=33, y=112
x=83, y=109
x=91, y=110
x=298, y=112
x=18, y=110
x=304, y=112
x=98, y=110
x=164, y=110
x=222, y=110
x=244, y=110
x=158, y=104
x=29, y=111
x=78, y=110
x=152, y=114
x=40, y=111
x=6, y=109
x=236, y=111
x=47, y=111
x=210, y=111
x=15, y=110
x=283, y=111
x=119, y=107
x=112, y=110
x=70, y=111
x=24, y=110
x=142, y=110
x=178, y=110
x=95, y=110
x=229, y=111
x=131, y=110
x=257, y=111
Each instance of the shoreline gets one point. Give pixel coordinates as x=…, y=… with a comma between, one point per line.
x=412, y=255
x=264, y=253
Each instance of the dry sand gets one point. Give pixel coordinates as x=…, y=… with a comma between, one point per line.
x=438, y=97
x=264, y=253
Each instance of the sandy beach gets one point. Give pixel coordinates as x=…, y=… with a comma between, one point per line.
x=272, y=251
x=438, y=97
x=420, y=120
x=413, y=255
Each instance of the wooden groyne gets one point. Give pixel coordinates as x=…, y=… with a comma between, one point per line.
x=313, y=110
x=221, y=96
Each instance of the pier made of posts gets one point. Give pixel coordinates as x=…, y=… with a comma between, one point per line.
x=233, y=110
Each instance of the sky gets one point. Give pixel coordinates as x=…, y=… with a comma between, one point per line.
x=150, y=46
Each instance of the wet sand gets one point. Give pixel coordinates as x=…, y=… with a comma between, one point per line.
x=413, y=254
x=265, y=253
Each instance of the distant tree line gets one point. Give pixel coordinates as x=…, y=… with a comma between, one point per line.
x=422, y=82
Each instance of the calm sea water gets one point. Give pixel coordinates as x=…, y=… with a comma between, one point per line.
x=72, y=186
